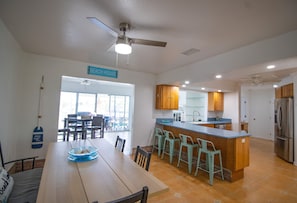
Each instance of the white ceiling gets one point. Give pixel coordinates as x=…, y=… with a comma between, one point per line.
x=59, y=28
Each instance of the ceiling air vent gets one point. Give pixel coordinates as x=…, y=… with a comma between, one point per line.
x=190, y=52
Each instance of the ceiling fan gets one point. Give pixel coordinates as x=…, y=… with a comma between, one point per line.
x=253, y=79
x=123, y=43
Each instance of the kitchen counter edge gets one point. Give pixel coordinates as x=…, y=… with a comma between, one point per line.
x=205, y=130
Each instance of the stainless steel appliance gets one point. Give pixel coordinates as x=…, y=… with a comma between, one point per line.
x=284, y=129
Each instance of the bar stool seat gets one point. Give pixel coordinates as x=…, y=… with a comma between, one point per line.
x=187, y=141
x=158, y=140
x=209, y=149
x=170, y=140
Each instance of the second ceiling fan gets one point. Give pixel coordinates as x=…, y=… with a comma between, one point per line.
x=123, y=43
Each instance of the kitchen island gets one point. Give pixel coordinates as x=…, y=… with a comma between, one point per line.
x=234, y=146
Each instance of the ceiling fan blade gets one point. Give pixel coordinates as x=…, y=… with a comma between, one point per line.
x=103, y=26
x=148, y=42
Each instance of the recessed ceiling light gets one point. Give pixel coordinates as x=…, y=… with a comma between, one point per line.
x=270, y=67
x=218, y=76
x=187, y=82
x=219, y=90
x=275, y=86
x=203, y=88
x=184, y=85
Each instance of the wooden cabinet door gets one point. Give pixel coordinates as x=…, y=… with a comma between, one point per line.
x=158, y=97
x=219, y=101
x=211, y=101
x=284, y=91
x=242, y=158
x=215, y=101
x=278, y=92
x=174, y=97
x=167, y=97
x=228, y=126
x=287, y=90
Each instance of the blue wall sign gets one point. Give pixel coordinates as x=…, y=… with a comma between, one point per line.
x=92, y=70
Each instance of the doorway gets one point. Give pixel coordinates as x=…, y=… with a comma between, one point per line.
x=113, y=100
x=261, y=123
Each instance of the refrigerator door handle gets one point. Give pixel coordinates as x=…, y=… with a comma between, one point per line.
x=278, y=120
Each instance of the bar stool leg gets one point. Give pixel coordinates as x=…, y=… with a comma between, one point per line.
x=164, y=147
x=159, y=146
x=190, y=157
x=198, y=162
x=179, y=155
x=171, y=150
x=211, y=167
x=221, y=165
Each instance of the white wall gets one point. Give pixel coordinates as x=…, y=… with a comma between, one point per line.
x=11, y=69
x=19, y=96
x=231, y=109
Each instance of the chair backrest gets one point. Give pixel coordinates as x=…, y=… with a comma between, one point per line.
x=206, y=144
x=159, y=131
x=168, y=134
x=142, y=158
x=17, y=160
x=72, y=116
x=186, y=139
x=97, y=121
x=71, y=120
x=135, y=197
x=120, y=143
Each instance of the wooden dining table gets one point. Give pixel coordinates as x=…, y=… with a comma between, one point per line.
x=110, y=176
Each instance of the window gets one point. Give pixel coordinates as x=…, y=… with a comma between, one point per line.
x=67, y=106
x=115, y=108
x=86, y=102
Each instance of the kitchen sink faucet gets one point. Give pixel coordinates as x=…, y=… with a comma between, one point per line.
x=195, y=113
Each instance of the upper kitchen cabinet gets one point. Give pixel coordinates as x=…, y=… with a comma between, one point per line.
x=278, y=92
x=287, y=90
x=167, y=97
x=215, y=101
x=284, y=91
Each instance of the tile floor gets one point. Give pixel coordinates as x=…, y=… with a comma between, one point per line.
x=267, y=179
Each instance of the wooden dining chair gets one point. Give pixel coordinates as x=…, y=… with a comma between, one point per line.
x=135, y=197
x=142, y=158
x=120, y=143
x=97, y=124
x=74, y=126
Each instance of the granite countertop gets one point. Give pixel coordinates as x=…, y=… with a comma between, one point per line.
x=202, y=129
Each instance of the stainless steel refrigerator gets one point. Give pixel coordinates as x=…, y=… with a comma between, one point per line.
x=284, y=129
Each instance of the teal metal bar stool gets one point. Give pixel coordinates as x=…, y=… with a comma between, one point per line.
x=170, y=140
x=187, y=141
x=210, y=151
x=158, y=140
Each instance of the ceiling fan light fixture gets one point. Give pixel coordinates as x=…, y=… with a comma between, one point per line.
x=123, y=46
